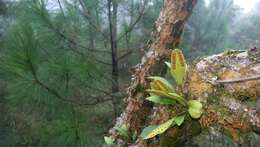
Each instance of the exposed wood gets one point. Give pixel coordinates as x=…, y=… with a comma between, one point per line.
x=167, y=35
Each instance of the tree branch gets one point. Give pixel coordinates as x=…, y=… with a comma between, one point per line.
x=60, y=97
x=256, y=77
x=167, y=34
x=93, y=88
x=44, y=15
x=79, y=45
x=62, y=11
x=88, y=17
x=124, y=55
x=131, y=27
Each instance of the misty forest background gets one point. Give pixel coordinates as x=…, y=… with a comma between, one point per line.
x=65, y=64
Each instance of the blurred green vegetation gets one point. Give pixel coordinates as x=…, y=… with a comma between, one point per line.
x=55, y=62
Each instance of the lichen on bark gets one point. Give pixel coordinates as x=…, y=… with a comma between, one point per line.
x=167, y=34
x=230, y=107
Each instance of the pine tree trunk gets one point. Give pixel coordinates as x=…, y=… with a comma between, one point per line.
x=2, y=7
x=167, y=35
x=112, y=16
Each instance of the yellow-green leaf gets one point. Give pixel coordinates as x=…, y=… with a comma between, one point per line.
x=178, y=98
x=147, y=130
x=195, y=113
x=157, y=92
x=195, y=104
x=178, y=66
x=161, y=100
x=163, y=83
x=150, y=132
x=109, y=141
x=179, y=119
x=123, y=131
x=195, y=108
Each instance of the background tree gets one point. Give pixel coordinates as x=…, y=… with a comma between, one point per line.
x=246, y=34
x=209, y=27
x=57, y=63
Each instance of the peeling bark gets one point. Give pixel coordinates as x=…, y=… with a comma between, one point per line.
x=167, y=35
x=227, y=84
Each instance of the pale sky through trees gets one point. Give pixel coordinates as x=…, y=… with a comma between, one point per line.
x=247, y=5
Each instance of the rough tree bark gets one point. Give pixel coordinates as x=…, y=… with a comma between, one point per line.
x=227, y=84
x=167, y=34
